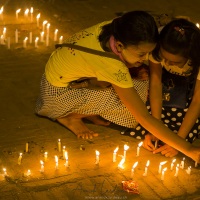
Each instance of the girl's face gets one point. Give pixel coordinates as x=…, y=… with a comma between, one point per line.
x=135, y=55
x=171, y=59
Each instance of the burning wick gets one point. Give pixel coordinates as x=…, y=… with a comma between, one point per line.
x=126, y=147
x=97, y=157
x=138, y=149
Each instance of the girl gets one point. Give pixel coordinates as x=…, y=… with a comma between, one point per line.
x=130, y=38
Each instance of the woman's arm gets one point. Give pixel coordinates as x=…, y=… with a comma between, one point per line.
x=135, y=105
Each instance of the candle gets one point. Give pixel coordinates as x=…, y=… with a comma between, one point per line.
x=8, y=42
x=61, y=40
x=25, y=41
x=42, y=166
x=126, y=147
x=4, y=33
x=2, y=39
x=26, y=13
x=38, y=19
x=30, y=37
x=156, y=144
x=64, y=152
x=26, y=147
x=17, y=13
x=42, y=36
x=97, y=157
x=115, y=154
x=120, y=165
x=133, y=168
x=177, y=169
x=188, y=170
x=48, y=26
x=20, y=159
x=55, y=34
x=163, y=173
x=146, y=168
x=43, y=25
x=31, y=11
x=16, y=36
x=45, y=156
x=66, y=159
x=28, y=173
x=56, y=161
x=138, y=149
x=59, y=145
x=36, y=42
x=196, y=164
x=160, y=166
x=182, y=164
x=172, y=164
x=1, y=13
x=4, y=171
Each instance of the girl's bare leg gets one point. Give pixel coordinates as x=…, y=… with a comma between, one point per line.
x=97, y=120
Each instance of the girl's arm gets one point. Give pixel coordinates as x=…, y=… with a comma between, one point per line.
x=132, y=101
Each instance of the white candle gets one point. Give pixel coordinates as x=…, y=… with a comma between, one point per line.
x=47, y=40
x=126, y=147
x=42, y=166
x=188, y=170
x=2, y=39
x=97, y=157
x=4, y=171
x=146, y=168
x=196, y=164
x=27, y=147
x=26, y=13
x=59, y=145
x=25, y=41
x=138, y=149
x=56, y=161
x=172, y=164
x=17, y=13
x=55, y=34
x=38, y=19
x=182, y=164
x=163, y=173
x=20, y=159
x=160, y=166
x=64, y=152
x=8, y=42
x=16, y=36
x=48, y=27
x=156, y=144
x=133, y=169
x=31, y=11
x=4, y=32
x=30, y=37
x=115, y=154
x=45, y=156
x=36, y=42
x=1, y=13
x=66, y=159
x=177, y=169
x=61, y=40
x=43, y=25
x=120, y=165
x=42, y=36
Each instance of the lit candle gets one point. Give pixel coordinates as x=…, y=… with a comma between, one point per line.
x=160, y=166
x=97, y=157
x=38, y=19
x=27, y=147
x=16, y=36
x=26, y=13
x=61, y=40
x=59, y=145
x=2, y=39
x=42, y=166
x=64, y=152
x=55, y=34
x=56, y=161
x=43, y=25
x=120, y=165
x=8, y=42
x=182, y=164
x=45, y=156
x=36, y=42
x=172, y=164
x=188, y=170
x=28, y=173
x=146, y=168
x=30, y=37
x=66, y=159
x=31, y=11
x=42, y=36
x=115, y=154
x=126, y=147
x=138, y=149
x=17, y=13
x=177, y=169
x=133, y=169
x=4, y=171
x=25, y=41
x=48, y=26
x=20, y=159
x=163, y=173
x=1, y=13
x=4, y=32
x=197, y=24
x=196, y=164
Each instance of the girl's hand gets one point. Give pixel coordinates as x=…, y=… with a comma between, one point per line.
x=167, y=151
x=147, y=143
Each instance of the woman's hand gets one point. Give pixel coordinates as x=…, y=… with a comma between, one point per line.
x=166, y=150
x=147, y=143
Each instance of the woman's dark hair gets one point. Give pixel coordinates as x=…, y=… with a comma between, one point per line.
x=131, y=28
x=180, y=37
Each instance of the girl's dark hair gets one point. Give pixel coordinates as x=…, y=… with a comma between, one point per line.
x=180, y=37
x=131, y=28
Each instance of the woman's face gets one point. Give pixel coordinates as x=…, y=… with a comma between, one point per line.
x=135, y=55
x=171, y=59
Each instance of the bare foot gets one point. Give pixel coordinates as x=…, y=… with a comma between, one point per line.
x=77, y=126
x=98, y=121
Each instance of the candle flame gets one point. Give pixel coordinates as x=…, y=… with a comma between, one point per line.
x=26, y=11
x=56, y=159
x=115, y=151
x=56, y=30
x=48, y=25
x=135, y=165
x=36, y=39
x=148, y=162
x=31, y=11
x=165, y=169
x=120, y=165
x=38, y=16
x=1, y=10
x=97, y=153
x=66, y=155
x=197, y=24
x=162, y=163
x=183, y=158
x=26, y=38
x=126, y=147
x=20, y=154
x=17, y=11
x=140, y=144
x=4, y=169
x=177, y=165
x=45, y=22
x=173, y=161
x=41, y=162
